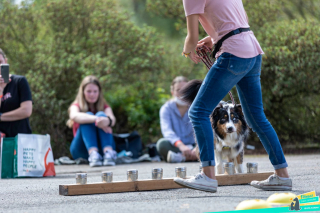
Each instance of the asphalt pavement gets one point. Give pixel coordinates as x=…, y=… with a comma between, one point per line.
x=42, y=194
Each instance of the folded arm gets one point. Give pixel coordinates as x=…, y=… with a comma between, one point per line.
x=191, y=41
x=24, y=111
x=81, y=117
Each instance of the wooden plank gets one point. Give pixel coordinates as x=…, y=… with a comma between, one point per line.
x=147, y=185
x=238, y=179
x=126, y=186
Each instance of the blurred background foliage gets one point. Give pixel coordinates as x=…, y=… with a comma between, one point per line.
x=134, y=47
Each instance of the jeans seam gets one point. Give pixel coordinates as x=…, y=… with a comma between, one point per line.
x=206, y=87
x=246, y=103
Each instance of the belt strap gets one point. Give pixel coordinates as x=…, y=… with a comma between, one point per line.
x=218, y=45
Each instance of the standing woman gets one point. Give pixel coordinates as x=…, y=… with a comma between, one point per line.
x=238, y=62
x=92, y=119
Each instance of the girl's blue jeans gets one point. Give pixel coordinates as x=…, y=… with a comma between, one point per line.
x=89, y=136
x=227, y=71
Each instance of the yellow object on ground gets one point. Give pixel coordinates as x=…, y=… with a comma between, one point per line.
x=253, y=204
x=281, y=198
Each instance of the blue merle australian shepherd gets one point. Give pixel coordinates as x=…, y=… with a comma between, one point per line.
x=229, y=127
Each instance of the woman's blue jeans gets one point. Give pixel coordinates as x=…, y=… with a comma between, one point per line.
x=89, y=136
x=227, y=71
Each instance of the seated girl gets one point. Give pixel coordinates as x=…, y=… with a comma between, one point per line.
x=92, y=120
x=178, y=142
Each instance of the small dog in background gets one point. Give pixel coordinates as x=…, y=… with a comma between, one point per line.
x=229, y=127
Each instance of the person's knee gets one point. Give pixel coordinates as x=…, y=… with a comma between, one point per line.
x=192, y=114
x=89, y=113
x=101, y=114
x=162, y=144
x=86, y=126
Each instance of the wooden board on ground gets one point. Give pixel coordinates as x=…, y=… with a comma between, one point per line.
x=147, y=185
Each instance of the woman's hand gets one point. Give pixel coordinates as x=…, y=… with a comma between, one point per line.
x=107, y=129
x=185, y=150
x=205, y=41
x=194, y=57
x=2, y=84
x=102, y=122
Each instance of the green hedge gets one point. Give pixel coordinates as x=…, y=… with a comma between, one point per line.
x=291, y=79
x=56, y=43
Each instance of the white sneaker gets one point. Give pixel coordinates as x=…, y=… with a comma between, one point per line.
x=198, y=182
x=173, y=157
x=95, y=159
x=273, y=183
x=109, y=158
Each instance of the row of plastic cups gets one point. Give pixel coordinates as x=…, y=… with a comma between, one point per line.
x=132, y=175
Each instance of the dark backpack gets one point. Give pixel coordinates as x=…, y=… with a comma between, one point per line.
x=129, y=142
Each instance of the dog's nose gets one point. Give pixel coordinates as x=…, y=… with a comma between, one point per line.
x=230, y=129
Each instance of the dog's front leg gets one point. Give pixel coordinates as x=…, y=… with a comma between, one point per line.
x=238, y=167
x=238, y=163
x=219, y=163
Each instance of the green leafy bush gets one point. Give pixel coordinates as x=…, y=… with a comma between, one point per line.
x=291, y=79
x=56, y=43
x=136, y=107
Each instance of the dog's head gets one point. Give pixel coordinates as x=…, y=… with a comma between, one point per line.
x=227, y=119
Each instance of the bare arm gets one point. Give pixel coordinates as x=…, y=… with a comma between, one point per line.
x=108, y=111
x=104, y=122
x=24, y=111
x=81, y=117
x=191, y=41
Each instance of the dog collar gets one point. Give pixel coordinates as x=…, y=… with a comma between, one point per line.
x=226, y=147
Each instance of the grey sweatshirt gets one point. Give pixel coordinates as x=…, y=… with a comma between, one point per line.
x=173, y=126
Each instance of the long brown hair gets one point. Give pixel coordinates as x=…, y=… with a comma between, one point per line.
x=81, y=101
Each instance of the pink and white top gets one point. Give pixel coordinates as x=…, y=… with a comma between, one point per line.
x=218, y=18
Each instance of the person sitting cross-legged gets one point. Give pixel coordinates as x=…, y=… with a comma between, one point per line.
x=178, y=142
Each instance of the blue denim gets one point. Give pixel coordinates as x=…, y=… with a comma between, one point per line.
x=227, y=71
x=89, y=136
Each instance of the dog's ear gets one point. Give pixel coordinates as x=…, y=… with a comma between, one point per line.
x=238, y=109
x=216, y=111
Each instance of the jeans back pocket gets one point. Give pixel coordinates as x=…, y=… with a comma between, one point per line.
x=239, y=66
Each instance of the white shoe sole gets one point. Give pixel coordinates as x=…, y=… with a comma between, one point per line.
x=95, y=164
x=193, y=186
x=169, y=158
x=109, y=163
x=273, y=188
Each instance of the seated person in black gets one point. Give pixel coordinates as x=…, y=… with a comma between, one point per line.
x=15, y=104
